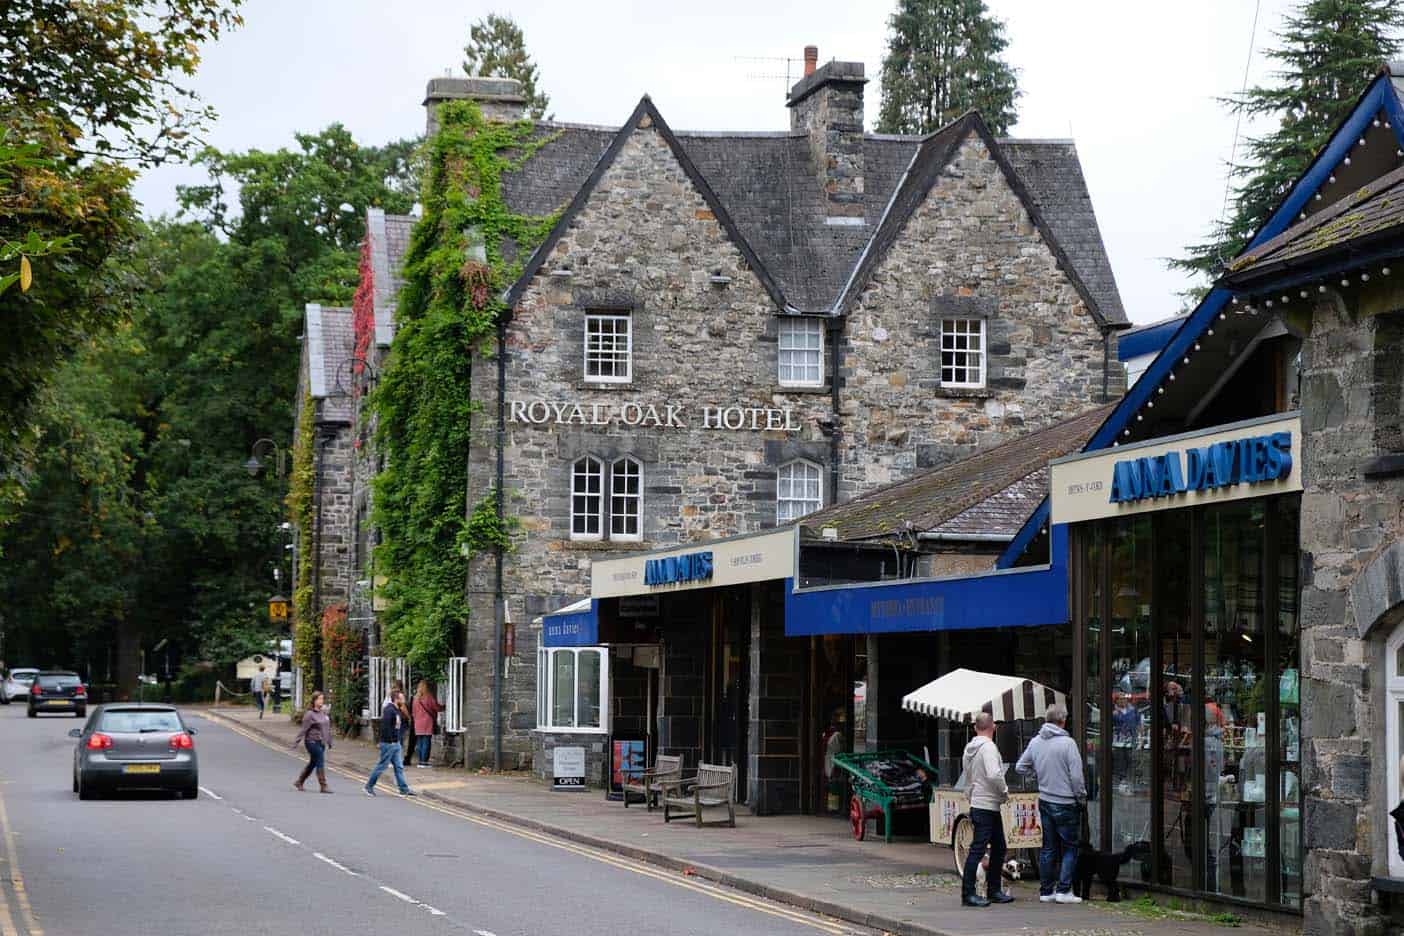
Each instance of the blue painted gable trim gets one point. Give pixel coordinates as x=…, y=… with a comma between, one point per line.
x=1034, y=597
x=1379, y=96
x=1146, y=341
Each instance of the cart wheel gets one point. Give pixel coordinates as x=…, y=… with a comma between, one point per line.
x=961, y=840
x=856, y=818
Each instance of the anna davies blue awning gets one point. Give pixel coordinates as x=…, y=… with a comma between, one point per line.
x=575, y=625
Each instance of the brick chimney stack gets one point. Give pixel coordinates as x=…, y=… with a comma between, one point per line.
x=827, y=103
x=498, y=98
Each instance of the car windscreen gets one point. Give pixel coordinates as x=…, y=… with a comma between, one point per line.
x=24, y=676
x=64, y=681
x=137, y=721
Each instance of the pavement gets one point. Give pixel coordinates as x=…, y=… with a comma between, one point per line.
x=809, y=863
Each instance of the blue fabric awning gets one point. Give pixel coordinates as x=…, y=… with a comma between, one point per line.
x=575, y=625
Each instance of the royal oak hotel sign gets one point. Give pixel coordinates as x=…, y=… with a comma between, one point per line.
x=652, y=415
x=1250, y=459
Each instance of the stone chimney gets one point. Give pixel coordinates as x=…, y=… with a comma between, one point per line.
x=827, y=103
x=499, y=98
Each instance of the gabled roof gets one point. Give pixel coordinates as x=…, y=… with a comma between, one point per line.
x=644, y=117
x=991, y=491
x=331, y=343
x=389, y=240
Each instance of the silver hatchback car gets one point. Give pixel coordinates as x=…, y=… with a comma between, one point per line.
x=133, y=746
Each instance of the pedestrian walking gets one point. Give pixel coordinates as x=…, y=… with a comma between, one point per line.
x=1053, y=759
x=986, y=786
x=259, y=685
x=426, y=710
x=315, y=735
x=392, y=726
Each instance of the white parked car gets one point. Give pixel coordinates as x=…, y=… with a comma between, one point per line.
x=17, y=685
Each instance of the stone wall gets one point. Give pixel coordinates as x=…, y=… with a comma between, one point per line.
x=779, y=672
x=828, y=106
x=969, y=251
x=1352, y=528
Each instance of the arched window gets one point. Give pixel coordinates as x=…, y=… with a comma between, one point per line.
x=799, y=490
x=625, y=499
x=586, y=496
x=1394, y=739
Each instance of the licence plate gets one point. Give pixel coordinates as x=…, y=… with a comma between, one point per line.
x=141, y=768
x=58, y=702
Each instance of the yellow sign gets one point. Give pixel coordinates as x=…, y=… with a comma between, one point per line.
x=278, y=609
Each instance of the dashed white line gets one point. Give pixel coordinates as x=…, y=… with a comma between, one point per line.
x=431, y=910
x=287, y=838
x=334, y=863
x=483, y=933
x=394, y=893
x=210, y=793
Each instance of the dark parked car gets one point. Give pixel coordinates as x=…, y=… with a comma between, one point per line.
x=132, y=746
x=58, y=692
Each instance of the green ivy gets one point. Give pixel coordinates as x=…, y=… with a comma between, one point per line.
x=306, y=629
x=447, y=312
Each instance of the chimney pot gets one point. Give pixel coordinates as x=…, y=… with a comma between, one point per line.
x=811, y=59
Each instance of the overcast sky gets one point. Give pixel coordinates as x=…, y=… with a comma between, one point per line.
x=1134, y=84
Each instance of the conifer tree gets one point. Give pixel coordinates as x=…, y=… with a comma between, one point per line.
x=497, y=49
x=1329, y=51
x=943, y=58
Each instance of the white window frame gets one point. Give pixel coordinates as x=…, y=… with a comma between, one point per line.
x=1394, y=700
x=601, y=497
x=616, y=498
x=961, y=328
x=546, y=690
x=805, y=327
x=781, y=500
x=613, y=318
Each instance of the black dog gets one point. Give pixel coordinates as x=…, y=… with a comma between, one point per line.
x=1106, y=868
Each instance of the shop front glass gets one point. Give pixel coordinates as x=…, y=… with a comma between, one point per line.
x=1190, y=684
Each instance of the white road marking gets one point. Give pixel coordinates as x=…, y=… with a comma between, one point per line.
x=210, y=793
x=287, y=838
x=483, y=933
x=394, y=893
x=334, y=863
x=432, y=911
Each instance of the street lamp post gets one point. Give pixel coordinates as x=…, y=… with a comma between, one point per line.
x=268, y=447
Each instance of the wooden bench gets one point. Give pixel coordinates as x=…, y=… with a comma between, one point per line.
x=714, y=787
x=649, y=784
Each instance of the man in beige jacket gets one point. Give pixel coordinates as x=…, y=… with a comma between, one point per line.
x=985, y=784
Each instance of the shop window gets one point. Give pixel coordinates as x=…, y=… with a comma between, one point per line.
x=572, y=686
x=1394, y=736
x=586, y=498
x=625, y=499
x=609, y=347
x=799, y=490
x=962, y=352
x=801, y=352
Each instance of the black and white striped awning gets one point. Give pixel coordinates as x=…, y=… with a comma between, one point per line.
x=962, y=694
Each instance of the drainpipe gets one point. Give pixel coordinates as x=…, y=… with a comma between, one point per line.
x=835, y=331
x=499, y=598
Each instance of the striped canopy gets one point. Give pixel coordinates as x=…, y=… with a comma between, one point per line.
x=962, y=694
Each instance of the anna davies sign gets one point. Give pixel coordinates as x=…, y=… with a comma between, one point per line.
x=651, y=415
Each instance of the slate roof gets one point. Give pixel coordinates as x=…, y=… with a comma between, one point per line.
x=768, y=192
x=1362, y=219
x=331, y=343
x=992, y=491
x=389, y=239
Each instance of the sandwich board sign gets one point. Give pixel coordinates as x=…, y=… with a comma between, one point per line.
x=568, y=768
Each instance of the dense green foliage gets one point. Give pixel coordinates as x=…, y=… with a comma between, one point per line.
x=1329, y=50
x=447, y=312
x=496, y=48
x=943, y=59
x=306, y=634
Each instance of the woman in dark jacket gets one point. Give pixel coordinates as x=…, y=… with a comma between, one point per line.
x=315, y=735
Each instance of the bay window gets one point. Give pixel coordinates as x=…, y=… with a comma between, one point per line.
x=572, y=689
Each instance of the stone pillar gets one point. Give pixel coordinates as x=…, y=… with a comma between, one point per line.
x=871, y=710
x=498, y=98
x=779, y=669
x=828, y=104
x=682, y=677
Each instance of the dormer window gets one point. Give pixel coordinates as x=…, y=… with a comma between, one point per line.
x=609, y=347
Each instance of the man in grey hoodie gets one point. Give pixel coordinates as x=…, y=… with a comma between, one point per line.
x=984, y=782
x=1052, y=757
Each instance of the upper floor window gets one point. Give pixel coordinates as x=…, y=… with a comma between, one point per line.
x=799, y=490
x=801, y=352
x=962, y=352
x=599, y=491
x=609, y=347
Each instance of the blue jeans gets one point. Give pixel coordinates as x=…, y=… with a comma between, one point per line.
x=390, y=756
x=989, y=832
x=317, y=751
x=421, y=747
x=258, y=701
x=1062, y=836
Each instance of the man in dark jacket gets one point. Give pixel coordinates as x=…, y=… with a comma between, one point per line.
x=392, y=724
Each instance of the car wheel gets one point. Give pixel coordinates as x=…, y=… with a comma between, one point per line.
x=85, y=792
x=190, y=792
x=4, y=698
x=80, y=713
x=75, y=781
x=32, y=714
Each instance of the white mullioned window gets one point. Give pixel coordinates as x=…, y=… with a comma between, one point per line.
x=609, y=347
x=625, y=500
x=572, y=689
x=799, y=490
x=586, y=499
x=801, y=352
x=962, y=352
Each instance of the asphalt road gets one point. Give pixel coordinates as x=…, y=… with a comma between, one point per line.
x=253, y=856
